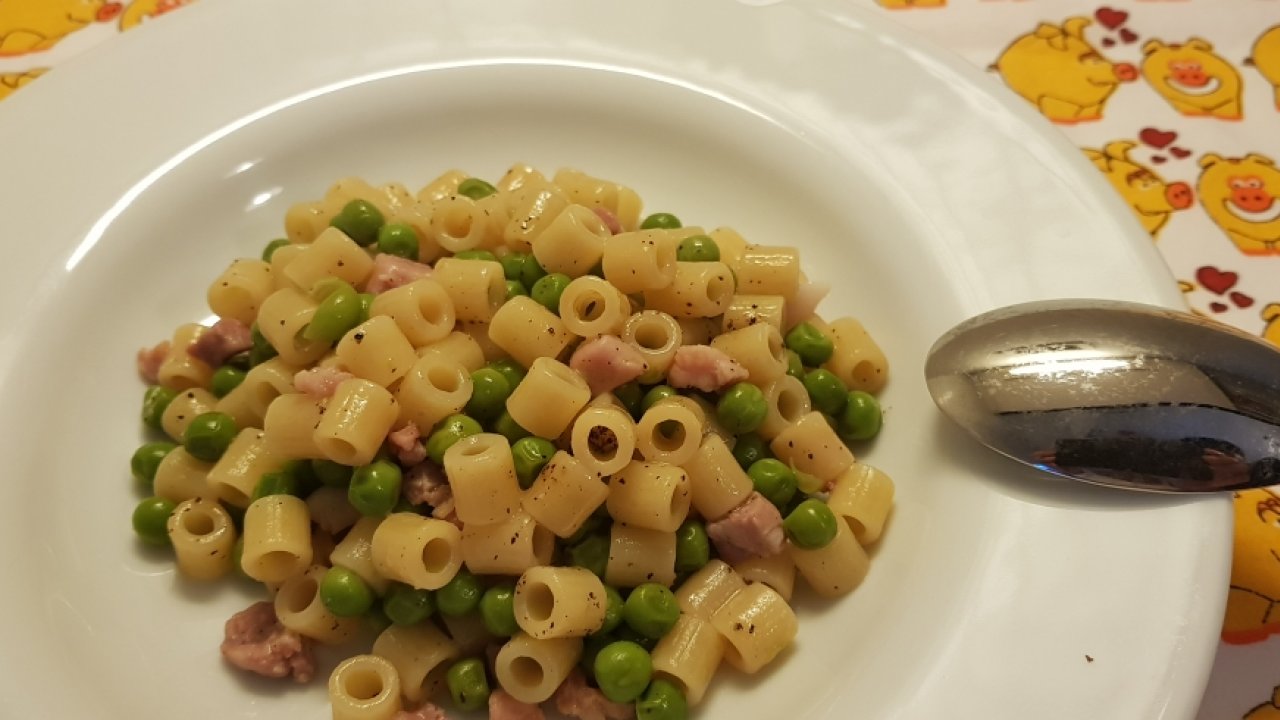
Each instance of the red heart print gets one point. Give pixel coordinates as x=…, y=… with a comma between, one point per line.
x=1127, y=36
x=1215, y=280
x=1158, y=139
x=1241, y=300
x=1111, y=18
x=1179, y=153
x=1218, y=307
x=1158, y=159
x=1108, y=42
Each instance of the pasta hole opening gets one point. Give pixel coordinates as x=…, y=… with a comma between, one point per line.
x=277, y=564
x=589, y=306
x=665, y=257
x=197, y=522
x=476, y=447
x=457, y=224
x=527, y=672
x=432, y=311
x=679, y=504
x=444, y=379
x=437, y=554
x=652, y=336
x=340, y=451
x=792, y=406
x=363, y=684
x=678, y=682
x=262, y=394
x=602, y=443
x=669, y=435
x=298, y=596
x=719, y=288
x=539, y=602
x=544, y=544
x=776, y=349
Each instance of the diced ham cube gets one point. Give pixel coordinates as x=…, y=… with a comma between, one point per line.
x=753, y=529
x=577, y=699
x=392, y=271
x=407, y=446
x=320, y=382
x=607, y=362
x=256, y=641
x=703, y=367
x=504, y=707
x=149, y=361
x=226, y=338
x=426, y=483
x=425, y=711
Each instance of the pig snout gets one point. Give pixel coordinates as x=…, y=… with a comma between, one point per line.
x=1191, y=76
x=1252, y=199
x=109, y=12
x=1125, y=72
x=1179, y=195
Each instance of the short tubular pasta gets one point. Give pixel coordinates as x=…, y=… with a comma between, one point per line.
x=639, y=261
x=638, y=555
x=277, y=538
x=331, y=254
x=548, y=398
x=517, y=176
x=418, y=217
x=620, y=200
x=812, y=446
x=181, y=370
x=856, y=359
x=757, y=625
x=468, y=633
x=356, y=421
x=436, y=386
x=787, y=402
x=508, y=547
x=708, y=589
x=699, y=289
x=670, y=431
x=418, y=551
x=247, y=404
x=415, y=651
x=280, y=259
x=836, y=568
x=590, y=307
x=442, y=186
x=289, y=427
x=483, y=477
x=421, y=309
x=304, y=221
x=239, y=291
x=300, y=609
x=572, y=243
x=564, y=495
x=531, y=208
x=364, y=687
x=459, y=223
x=650, y=495
x=768, y=270
x=688, y=655
x=458, y=346
x=559, y=602
x=531, y=669
x=747, y=310
x=526, y=331
x=202, y=536
x=476, y=287
x=863, y=496
x=284, y=315
x=731, y=244
x=603, y=439
x=184, y=408
x=657, y=336
x=376, y=350
x=234, y=476
x=355, y=553
x=180, y=476
x=777, y=571
x=758, y=348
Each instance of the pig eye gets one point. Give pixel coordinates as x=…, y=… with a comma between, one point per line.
x=1235, y=183
x=1254, y=183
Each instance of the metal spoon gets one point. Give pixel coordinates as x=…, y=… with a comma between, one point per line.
x=1119, y=394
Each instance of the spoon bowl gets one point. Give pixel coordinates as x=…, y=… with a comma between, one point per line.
x=1119, y=394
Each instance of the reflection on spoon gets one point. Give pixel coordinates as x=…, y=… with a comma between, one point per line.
x=1117, y=394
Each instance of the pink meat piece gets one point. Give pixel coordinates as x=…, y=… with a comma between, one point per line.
x=504, y=707
x=425, y=711
x=392, y=271
x=577, y=699
x=256, y=641
x=753, y=529
x=607, y=362
x=226, y=338
x=405, y=442
x=426, y=483
x=320, y=382
x=610, y=220
x=804, y=303
x=149, y=361
x=703, y=367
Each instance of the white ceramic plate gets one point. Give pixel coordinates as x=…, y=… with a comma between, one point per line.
x=923, y=191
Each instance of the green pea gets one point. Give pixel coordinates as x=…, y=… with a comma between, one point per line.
x=468, y=685
x=366, y=302
x=515, y=288
x=275, y=483
x=262, y=350
x=272, y=247
x=698, y=248
x=337, y=313
x=449, y=431
x=811, y=525
x=826, y=391
x=151, y=519
x=651, y=610
x=240, y=361
x=475, y=188
x=507, y=427
x=532, y=272
x=331, y=474
x=513, y=264
x=662, y=701
x=623, y=670
x=664, y=221
x=510, y=369
x=209, y=435
x=360, y=220
x=693, y=548
x=225, y=379
x=656, y=394
x=403, y=505
x=795, y=366
x=476, y=255
x=460, y=595
x=630, y=395
x=530, y=455
x=376, y=619
x=406, y=605
x=861, y=418
x=591, y=647
x=147, y=458
x=489, y=391
x=154, y=402
x=749, y=448
x=624, y=632
x=774, y=480
x=742, y=408
x=497, y=609
x=345, y=593
x=375, y=488
x=591, y=553
x=810, y=344
x=613, y=610
x=548, y=289
x=398, y=239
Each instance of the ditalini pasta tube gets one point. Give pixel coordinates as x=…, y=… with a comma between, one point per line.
x=331, y=254
x=639, y=261
x=787, y=402
x=460, y=223
x=283, y=317
x=437, y=386
x=459, y=346
x=650, y=495
x=531, y=669
x=836, y=568
x=299, y=607
x=856, y=359
x=590, y=307
x=235, y=475
x=277, y=539
x=239, y=291
x=603, y=439
x=183, y=409
x=364, y=687
x=757, y=348
x=304, y=221
x=670, y=431
x=247, y=404
x=863, y=496
x=548, y=398
x=483, y=477
x=657, y=336
x=202, y=536
x=584, y=189
x=768, y=270
x=355, y=553
x=180, y=476
x=476, y=287
x=572, y=243
x=532, y=207
x=508, y=547
x=776, y=571
x=564, y=495
x=377, y=350
x=638, y=556
x=181, y=370
x=700, y=289
x=688, y=655
x=415, y=651
x=526, y=331
x=708, y=589
x=418, y=551
x=757, y=625
x=422, y=310
x=716, y=481
x=289, y=426
x=558, y=602
x=356, y=422
x=812, y=446
x=747, y=310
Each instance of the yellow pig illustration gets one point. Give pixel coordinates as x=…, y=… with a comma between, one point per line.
x=1194, y=80
x=34, y=25
x=1266, y=57
x=1269, y=710
x=1271, y=316
x=1253, y=602
x=1152, y=199
x=141, y=10
x=1242, y=195
x=1059, y=72
x=9, y=82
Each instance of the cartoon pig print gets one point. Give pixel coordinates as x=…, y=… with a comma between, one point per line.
x=31, y=26
x=1266, y=58
x=1059, y=72
x=1194, y=80
x=1253, y=601
x=1152, y=199
x=1242, y=196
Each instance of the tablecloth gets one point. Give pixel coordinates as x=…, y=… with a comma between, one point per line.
x=1176, y=102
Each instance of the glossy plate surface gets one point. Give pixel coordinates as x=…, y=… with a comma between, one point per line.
x=913, y=183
